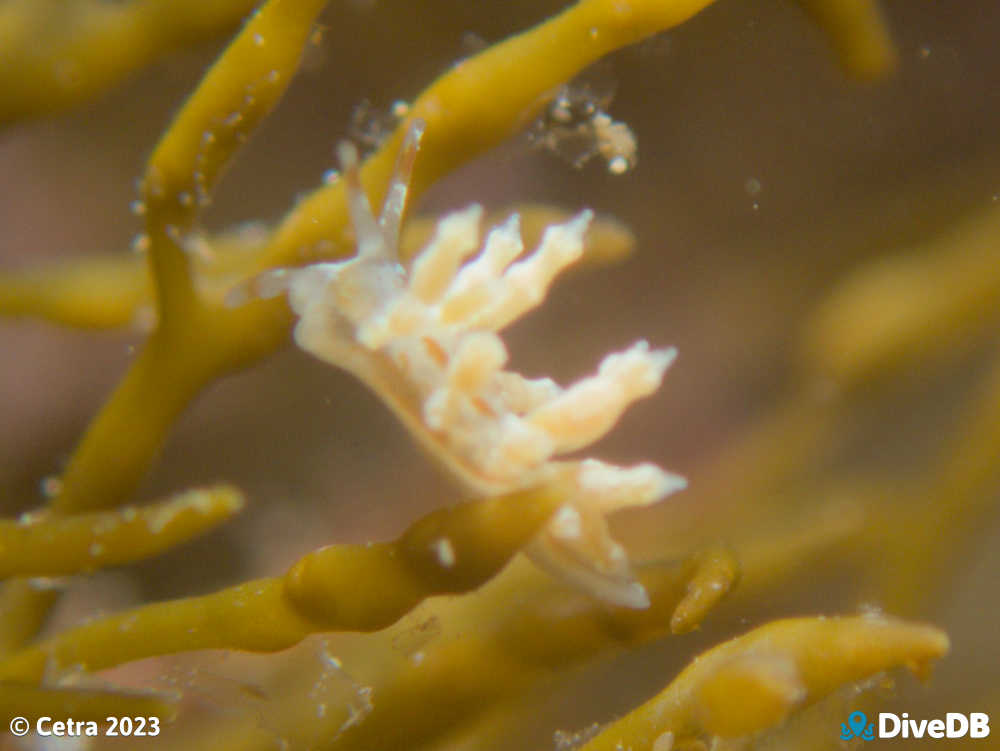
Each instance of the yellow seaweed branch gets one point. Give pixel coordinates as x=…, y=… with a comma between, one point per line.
x=488, y=656
x=858, y=33
x=229, y=103
x=55, y=53
x=479, y=103
x=194, y=342
x=113, y=291
x=96, y=293
x=774, y=670
x=341, y=587
x=716, y=573
x=473, y=654
x=47, y=545
x=892, y=312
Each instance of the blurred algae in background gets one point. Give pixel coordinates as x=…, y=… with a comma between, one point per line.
x=802, y=197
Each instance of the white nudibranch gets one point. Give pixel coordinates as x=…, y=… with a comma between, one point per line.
x=426, y=340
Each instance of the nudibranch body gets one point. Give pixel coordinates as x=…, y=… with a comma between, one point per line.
x=426, y=340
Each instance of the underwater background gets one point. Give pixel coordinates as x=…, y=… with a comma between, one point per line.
x=823, y=251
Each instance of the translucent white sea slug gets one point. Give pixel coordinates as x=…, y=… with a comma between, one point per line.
x=426, y=339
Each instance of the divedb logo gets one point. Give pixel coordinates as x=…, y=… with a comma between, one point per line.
x=954, y=725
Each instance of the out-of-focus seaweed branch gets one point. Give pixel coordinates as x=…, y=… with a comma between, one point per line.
x=907, y=308
x=773, y=670
x=858, y=33
x=114, y=291
x=909, y=312
x=943, y=506
x=55, y=53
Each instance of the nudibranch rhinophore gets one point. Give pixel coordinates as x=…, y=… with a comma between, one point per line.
x=425, y=338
